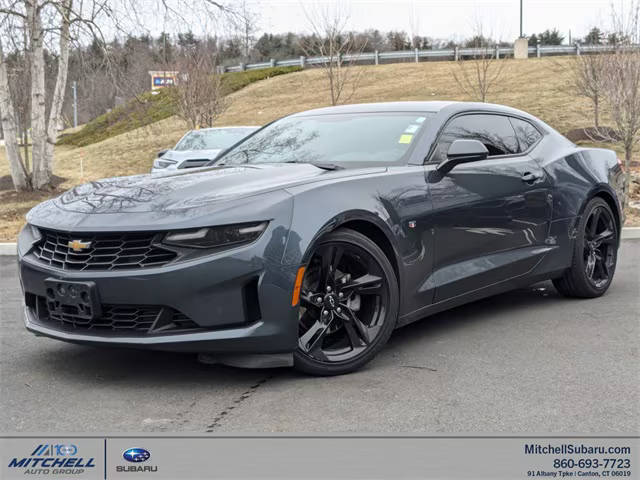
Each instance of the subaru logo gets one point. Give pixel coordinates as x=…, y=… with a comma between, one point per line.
x=136, y=455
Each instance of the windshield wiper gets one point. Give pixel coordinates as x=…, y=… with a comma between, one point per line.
x=327, y=166
x=322, y=165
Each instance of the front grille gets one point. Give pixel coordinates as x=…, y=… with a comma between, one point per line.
x=104, y=251
x=124, y=319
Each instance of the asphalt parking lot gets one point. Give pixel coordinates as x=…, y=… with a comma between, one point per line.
x=528, y=361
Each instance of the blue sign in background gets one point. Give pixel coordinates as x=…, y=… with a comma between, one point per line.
x=162, y=81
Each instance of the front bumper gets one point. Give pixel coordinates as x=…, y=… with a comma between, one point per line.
x=259, y=337
x=239, y=301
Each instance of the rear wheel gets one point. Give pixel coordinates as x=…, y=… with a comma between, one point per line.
x=348, y=305
x=595, y=253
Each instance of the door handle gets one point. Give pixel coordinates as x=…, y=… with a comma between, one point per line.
x=529, y=177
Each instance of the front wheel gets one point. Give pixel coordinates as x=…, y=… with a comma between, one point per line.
x=348, y=304
x=595, y=253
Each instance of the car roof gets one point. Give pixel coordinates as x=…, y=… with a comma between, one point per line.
x=443, y=109
x=431, y=106
x=230, y=127
x=378, y=107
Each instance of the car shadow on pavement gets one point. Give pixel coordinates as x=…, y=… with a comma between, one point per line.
x=513, y=302
x=122, y=366
x=64, y=362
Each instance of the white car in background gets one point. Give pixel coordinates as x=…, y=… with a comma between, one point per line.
x=198, y=147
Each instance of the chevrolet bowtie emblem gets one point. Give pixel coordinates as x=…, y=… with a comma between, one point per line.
x=78, y=245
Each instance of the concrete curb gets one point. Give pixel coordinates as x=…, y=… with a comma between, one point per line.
x=8, y=249
x=628, y=233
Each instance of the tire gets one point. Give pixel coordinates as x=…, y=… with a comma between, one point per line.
x=594, y=261
x=348, y=305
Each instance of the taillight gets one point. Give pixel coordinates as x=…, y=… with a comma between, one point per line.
x=621, y=163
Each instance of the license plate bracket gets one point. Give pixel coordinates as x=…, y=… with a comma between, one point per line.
x=78, y=299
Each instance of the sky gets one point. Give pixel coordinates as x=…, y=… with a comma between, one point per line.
x=444, y=18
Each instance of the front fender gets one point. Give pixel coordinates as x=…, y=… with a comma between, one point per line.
x=343, y=219
x=390, y=200
x=309, y=224
x=396, y=202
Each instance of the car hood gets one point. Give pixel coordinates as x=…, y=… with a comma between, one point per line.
x=175, y=192
x=181, y=155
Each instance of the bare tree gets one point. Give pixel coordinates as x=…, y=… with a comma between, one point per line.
x=245, y=24
x=57, y=100
x=621, y=88
x=588, y=72
x=39, y=18
x=19, y=174
x=477, y=76
x=33, y=24
x=625, y=22
x=199, y=96
x=19, y=72
x=622, y=93
x=332, y=42
x=49, y=25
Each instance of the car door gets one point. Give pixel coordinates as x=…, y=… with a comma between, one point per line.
x=490, y=217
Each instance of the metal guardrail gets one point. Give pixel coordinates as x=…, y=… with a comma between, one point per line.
x=434, y=55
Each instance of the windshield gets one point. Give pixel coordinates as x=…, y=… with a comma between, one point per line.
x=212, y=139
x=336, y=138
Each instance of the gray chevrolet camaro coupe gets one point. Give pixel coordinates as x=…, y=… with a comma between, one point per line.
x=310, y=241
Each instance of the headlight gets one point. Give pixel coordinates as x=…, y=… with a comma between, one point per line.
x=34, y=231
x=162, y=163
x=28, y=237
x=225, y=236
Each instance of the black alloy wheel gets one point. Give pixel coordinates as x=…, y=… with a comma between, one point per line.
x=348, y=304
x=599, y=246
x=595, y=253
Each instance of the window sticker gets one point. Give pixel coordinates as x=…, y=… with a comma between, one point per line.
x=412, y=129
x=420, y=119
x=405, y=138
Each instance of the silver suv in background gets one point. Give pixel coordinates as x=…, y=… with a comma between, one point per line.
x=198, y=147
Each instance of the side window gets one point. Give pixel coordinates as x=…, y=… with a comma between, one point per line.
x=527, y=134
x=494, y=131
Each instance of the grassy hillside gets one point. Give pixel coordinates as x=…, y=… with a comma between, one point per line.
x=538, y=86
x=150, y=108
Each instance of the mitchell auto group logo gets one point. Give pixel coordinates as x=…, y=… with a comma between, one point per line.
x=53, y=458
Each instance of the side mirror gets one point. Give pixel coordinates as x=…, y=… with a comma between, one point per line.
x=162, y=152
x=463, y=151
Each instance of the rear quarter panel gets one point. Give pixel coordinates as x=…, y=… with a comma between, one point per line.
x=577, y=175
x=580, y=173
